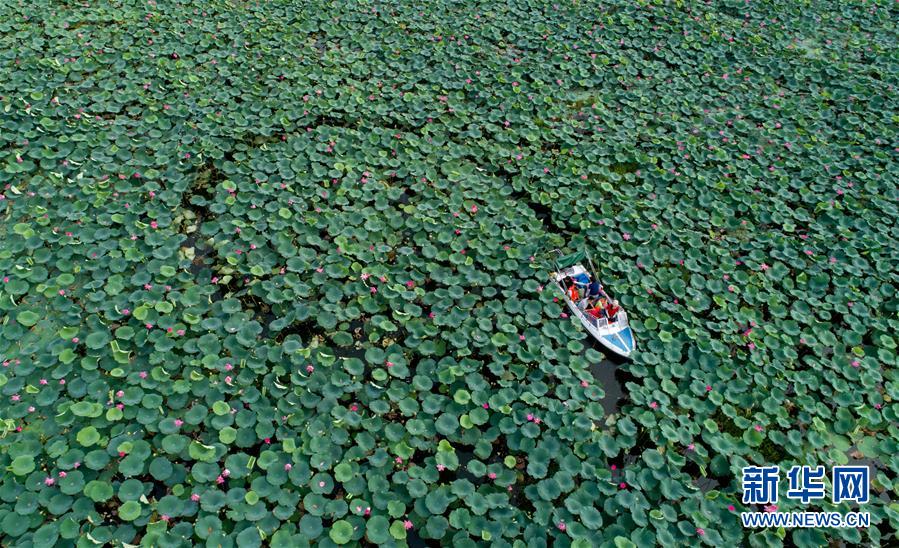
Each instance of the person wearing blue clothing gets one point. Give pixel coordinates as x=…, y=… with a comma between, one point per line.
x=595, y=290
x=582, y=282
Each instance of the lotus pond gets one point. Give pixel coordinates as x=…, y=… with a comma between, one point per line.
x=273, y=272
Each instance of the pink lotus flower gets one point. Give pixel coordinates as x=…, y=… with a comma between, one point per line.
x=492, y=475
x=700, y=531
x=622, y=485
x=321, y=484
x=731, y=507
x=708, y=388
x=42, y=381
x=49, y=481
x=220, y=480
x=561, y=526
x=530, y=417
x=288, y=466
x=62, y=292
x=441, y=468
x=771, y=508
x=856, y=363
x=763, y=266
x=15, y=397
x=62, y=474
x=309, y=369
x=407, y=524
x=486, y=406
x=654, y=405
x=178, y=422
x=626, y=236
x=751, y=346
x=758, y=427
x=585, y=384
x=195, y=497
x=226, y=472
x=389, y=364
x=75, y=340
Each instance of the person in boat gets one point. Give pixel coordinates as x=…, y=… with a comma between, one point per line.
x=595, y=290
x=612, y=309
x=573, y=293
x=597, y=311
x=582, y=280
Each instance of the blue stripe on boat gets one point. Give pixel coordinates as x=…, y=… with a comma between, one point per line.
x=614, y=341
x=628, y=337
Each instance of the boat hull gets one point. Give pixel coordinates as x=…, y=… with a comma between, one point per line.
x=617, y=337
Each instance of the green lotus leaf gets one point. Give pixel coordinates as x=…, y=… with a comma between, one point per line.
x=130, y=510
x=28, y=318
x=88, y=436
x=397, y=530
x=341, y=532
x=22, y=465
x=98, y=491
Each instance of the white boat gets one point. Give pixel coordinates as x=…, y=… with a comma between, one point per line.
x=613, y=333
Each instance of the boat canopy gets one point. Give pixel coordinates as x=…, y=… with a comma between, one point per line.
x=570, y=260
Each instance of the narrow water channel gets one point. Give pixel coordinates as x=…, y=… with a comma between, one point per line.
x=609, y=374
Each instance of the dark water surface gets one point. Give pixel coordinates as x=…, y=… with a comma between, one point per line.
x=609, y=374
